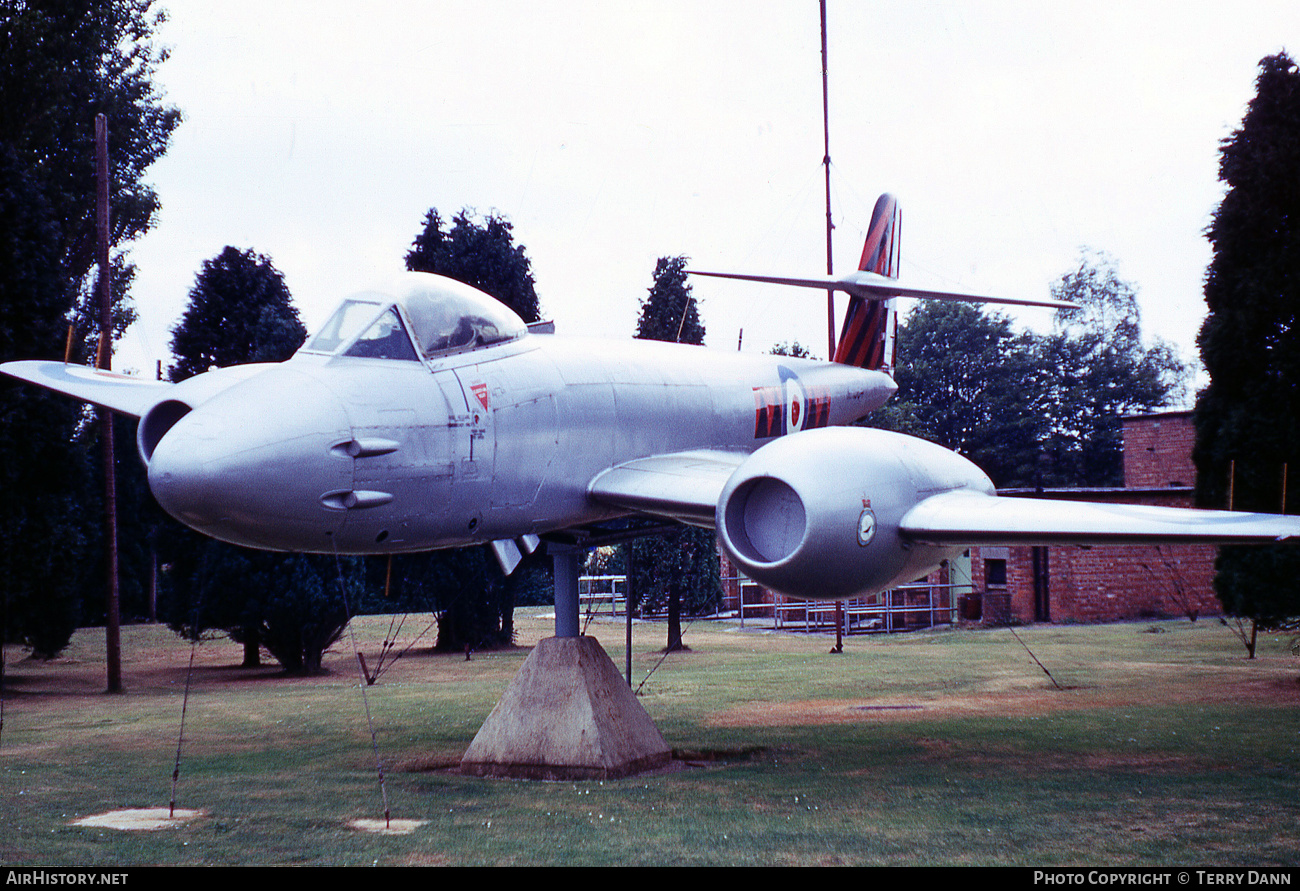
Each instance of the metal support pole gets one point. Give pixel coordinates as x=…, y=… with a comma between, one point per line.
x=564, y=562
x=627, y=608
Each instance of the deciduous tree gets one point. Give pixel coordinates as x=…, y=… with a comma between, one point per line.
x=970, y=383
x=1033, y=410
x=65, y=61
x=1096, y=369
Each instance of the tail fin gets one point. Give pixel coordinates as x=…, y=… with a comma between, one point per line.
x=867, y=338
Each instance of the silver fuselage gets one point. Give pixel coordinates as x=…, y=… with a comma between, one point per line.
x=371, y=456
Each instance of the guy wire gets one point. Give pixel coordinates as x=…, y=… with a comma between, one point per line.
x=356, y=650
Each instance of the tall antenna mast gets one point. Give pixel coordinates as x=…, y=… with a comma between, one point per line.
x=830, y=226
x=830, y=266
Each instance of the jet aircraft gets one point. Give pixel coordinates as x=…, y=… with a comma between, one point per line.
x=427, y=415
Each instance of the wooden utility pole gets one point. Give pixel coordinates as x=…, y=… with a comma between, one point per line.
x=112, y=630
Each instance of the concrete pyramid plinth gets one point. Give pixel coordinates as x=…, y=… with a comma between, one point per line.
x=568, y=714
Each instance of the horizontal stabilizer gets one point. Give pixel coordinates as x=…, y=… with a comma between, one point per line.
x=870, y=286
x=123, y=393
x=971, y=518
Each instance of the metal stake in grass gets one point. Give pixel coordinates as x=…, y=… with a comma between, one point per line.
x=388, y=653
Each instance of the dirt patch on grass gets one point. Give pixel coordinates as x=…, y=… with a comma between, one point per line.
x=147, y=819
x=1005, y=697
x=423, y=859
x=853, y=711
x=157, y=661
x=386, y=827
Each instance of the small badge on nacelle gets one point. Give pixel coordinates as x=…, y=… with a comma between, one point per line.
x=866, y=526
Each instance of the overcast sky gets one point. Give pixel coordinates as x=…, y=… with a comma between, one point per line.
x=610, y=134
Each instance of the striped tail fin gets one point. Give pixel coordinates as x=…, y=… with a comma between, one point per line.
x=867, y=338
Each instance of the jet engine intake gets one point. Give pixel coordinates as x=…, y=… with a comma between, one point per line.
x=156, y=422
x=816, y=514
x=183, y=398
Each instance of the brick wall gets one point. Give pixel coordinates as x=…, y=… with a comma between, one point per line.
x=1158, y=450
x=1103, y=583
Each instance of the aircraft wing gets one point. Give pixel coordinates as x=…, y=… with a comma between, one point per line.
x=870, y=286
x=686, y=486
x=683, y=486
x=122, y=393
x=971, y=518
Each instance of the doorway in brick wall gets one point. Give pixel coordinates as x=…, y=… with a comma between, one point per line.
x=1042, y=585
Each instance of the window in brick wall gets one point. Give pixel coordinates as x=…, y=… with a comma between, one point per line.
x=995, y=573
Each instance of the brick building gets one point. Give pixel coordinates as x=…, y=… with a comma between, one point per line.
x=1104, y=583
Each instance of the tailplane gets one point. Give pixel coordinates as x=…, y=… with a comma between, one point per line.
x=867, y=338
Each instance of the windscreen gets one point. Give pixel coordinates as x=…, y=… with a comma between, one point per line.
x=385, y=339
x=347, y=321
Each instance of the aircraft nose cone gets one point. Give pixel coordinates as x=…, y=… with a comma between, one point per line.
x=250, y=465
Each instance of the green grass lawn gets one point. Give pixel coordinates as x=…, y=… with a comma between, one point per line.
x=952, y=747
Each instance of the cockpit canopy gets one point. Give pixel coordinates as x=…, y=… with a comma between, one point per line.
x=443, y=316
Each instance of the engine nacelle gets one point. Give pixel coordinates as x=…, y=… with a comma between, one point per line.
x=816, y=514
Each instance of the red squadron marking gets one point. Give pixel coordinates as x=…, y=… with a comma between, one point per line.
x=769, y=412
x=817, y=410
x=481, y=391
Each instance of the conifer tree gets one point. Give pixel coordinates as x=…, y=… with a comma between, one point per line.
x=1248, y=418
x=240, y=311
x=482, y=255
x=474, y=601
x=678, y=570
x=669, y=311
x=64, y=61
